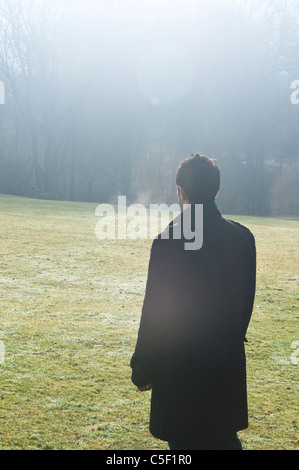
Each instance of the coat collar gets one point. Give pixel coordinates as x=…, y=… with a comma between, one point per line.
x=210, y=213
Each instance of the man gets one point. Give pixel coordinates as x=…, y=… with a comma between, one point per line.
x=197, y=307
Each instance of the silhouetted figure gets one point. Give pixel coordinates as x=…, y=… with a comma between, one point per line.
x=197, y=307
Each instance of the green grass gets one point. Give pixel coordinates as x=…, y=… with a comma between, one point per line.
x=70, y=310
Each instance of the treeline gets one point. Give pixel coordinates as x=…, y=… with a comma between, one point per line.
x=106, y=98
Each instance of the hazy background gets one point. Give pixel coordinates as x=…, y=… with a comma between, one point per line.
x=105, y=98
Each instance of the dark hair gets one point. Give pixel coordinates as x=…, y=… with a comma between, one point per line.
x=199, y=176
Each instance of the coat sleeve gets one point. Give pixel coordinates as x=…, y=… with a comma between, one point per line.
x=145, y=360
x=249, y=299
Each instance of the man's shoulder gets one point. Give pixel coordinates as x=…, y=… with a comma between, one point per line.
x=242, y=229
x=167, y=238
x=168, y=233
x=238, y=225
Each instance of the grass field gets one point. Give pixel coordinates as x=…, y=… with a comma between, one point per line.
x=70, y=310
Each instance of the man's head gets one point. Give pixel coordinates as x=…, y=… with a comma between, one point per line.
x=197, y=179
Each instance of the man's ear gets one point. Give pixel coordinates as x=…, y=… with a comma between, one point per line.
x=182, y=194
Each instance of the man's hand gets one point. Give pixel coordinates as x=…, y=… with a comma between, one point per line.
x=146, y=388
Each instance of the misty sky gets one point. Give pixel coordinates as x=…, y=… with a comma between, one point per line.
x=107, y=97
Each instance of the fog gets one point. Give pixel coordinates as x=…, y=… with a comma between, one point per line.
x=105, y=98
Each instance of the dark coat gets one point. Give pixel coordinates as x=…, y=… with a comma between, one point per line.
x=190, y=344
